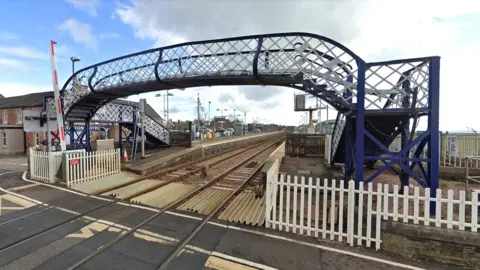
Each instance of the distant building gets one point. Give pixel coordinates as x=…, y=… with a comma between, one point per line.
x=13, y=140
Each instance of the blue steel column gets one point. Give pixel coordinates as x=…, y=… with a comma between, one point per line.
x=404, y=176
x=87, y=134
x=71, y=132
x=348, y=129
x=359, y=142
x=433, y=127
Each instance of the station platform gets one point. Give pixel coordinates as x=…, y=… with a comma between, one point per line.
x=63, y=227
x=170, y=156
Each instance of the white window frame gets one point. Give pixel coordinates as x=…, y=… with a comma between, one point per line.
x=5, y=117
x=19, y=116
x=36, y=138
x=4, y=139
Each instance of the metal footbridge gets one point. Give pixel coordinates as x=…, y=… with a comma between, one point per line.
x=376, y=101
x=122, y=112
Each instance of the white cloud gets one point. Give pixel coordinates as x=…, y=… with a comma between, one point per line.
x=8, y=36
x=12, y=63
x=109, y=35
x=80, y=32
x=24, y=52
x=10, y=89
x=374, y=29
x=90, y=6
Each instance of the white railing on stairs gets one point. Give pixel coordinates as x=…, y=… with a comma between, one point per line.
x=337, y=133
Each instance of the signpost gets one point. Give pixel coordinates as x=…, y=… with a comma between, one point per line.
x=36, y=121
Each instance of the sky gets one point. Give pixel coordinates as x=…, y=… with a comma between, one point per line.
x=376, y=30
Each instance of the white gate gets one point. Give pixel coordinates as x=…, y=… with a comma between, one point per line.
x=43, y=166
x=88, y=166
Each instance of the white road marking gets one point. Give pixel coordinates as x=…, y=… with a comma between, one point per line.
x=10, y=172
x=17, y=164
x=366, y=257
x=242, y=261
x=24, y=177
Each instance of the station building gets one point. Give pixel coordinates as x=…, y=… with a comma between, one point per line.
x=13, y=140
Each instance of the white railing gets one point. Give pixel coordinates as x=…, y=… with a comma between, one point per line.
x=43, y=166
x=330, y=210
x=39, y=166
x=453, y=211
x=317, y=208
x=454, y=150
x=88, y=166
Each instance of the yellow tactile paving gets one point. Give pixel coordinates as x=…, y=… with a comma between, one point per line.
x=222, y=264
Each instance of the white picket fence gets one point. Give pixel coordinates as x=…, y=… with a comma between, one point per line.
x=43, y=166
x=332, y=211
x=316, y=208
x=88, y=166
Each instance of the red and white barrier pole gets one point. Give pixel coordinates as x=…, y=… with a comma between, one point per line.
x=58, y=102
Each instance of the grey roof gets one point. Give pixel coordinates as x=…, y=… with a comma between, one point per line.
x=36, y=100
x=29, y=100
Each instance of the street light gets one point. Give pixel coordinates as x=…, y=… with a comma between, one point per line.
x=74, y=59
x=165, y=112
x=221, y=115
x=209, y=115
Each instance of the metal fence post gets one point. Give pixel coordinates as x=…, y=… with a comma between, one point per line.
x=51, y=165
x=30, y=163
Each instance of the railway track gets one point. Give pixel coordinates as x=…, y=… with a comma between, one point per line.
x=159, y=189
x=232, y=178
x=163, y=177
x=229, y=173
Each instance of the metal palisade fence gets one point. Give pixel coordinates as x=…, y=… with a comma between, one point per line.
x=330, y=210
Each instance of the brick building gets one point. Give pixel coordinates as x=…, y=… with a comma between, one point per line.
x=13, y=140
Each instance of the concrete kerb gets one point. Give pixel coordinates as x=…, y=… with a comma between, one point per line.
x=200, y=151
x=442, y=245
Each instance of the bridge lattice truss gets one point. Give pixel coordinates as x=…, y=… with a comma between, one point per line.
x=313, y=63
x=113, y=112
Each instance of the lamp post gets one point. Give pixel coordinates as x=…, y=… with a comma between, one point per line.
x=209, y=115
x=221, y=115
x=165, y=112
x=74, y=59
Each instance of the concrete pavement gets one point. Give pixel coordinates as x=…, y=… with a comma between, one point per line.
x=66, y=238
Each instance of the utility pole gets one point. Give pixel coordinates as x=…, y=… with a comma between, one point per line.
x=198, y=110
x=167, y=107
x=209, y=115
x=141, y=106
x=246, y=125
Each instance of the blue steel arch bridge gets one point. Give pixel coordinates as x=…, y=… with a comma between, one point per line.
x=376, y=101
